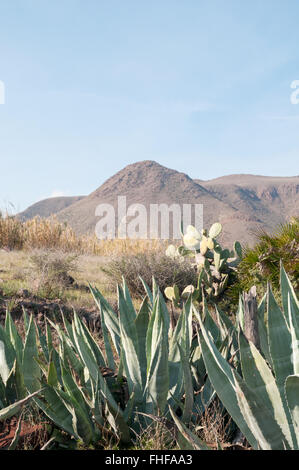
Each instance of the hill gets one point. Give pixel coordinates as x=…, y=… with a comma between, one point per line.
x=48, y=207
x=244, y=204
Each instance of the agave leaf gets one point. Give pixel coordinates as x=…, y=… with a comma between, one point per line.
x=85, y=426
x=141, y=323
x=96, y=403
x=14, y=336
x=260, y=380
x=221, y=376
x=31, y=370
x=262, y=425
x=188, y=386
x=11, y=410
x=262, y=329
x=175, y=365
x=49, y=336
x=240, y=313
x=55, y=408
x=7, y=355
x=71, y=387
x=15, y=440
x=84, y=349
x=158, y=374
x=2, y=394
x=113, y=412
x=93, y=345
x=279, y=342
x=25, y=318
x=155, y=288
x=110, y=318
x=147, y=290
x=69, y=356
x=128, y=411
x=225, y=324
x=118, y=423
x=187, y=439
x=130, y=347
x=108, y=349
x=292, y=394
x=244, y=406
x=52, y=375
x=67, y=327
x=184, y=347
x=43, y=343
x=287, y=290
x=294, y=334
x=128, y=300
x=208, y=394
x=165, y=313
x=15, y=388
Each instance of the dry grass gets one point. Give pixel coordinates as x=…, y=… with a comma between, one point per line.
x=40, y=233
x=50, y=272
x=155, y=437
x=17, y=287
x=214, y=425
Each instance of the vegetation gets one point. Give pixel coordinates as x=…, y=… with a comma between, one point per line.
x=141, y=377
x=147, y=265
x=158, y=371
x=48, y=233
x=50, y=272
x=216, y=267
x=261, y=264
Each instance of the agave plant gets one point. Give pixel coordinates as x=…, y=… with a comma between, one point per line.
x=19, y=373
x=155, y=369
x=262, y=396
x=158, y=366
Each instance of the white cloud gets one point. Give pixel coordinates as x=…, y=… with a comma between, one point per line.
x=58, y=193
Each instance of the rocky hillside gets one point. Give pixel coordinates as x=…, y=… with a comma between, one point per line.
x=242, y=203
x=48, y=207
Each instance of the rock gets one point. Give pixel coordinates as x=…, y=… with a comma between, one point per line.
x=23, y=293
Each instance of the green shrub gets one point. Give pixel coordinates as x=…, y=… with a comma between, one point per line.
x=261, y=264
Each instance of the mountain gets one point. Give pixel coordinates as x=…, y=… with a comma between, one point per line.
x=271, y=200
x=144, y=183
x=242, y=203
x=48, y=207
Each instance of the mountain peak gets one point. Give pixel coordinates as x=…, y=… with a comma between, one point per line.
x=143, y=176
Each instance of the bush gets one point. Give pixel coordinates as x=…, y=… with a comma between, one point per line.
x=165, y=270
x=261, y=264
x=50, y=272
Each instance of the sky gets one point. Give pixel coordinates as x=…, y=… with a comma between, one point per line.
x=200, y=86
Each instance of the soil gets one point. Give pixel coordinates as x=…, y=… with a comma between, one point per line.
x=28, y=433
x=43, y=307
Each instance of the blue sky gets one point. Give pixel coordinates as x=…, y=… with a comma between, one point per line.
x=201, y=86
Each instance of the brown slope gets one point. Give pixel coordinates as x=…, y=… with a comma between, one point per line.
x=147, y=183
x=273, y=200
x=48, y=207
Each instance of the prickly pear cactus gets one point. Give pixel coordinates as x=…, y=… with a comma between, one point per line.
x=216, y=266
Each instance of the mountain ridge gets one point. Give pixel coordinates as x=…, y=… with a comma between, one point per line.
x=242, y=203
